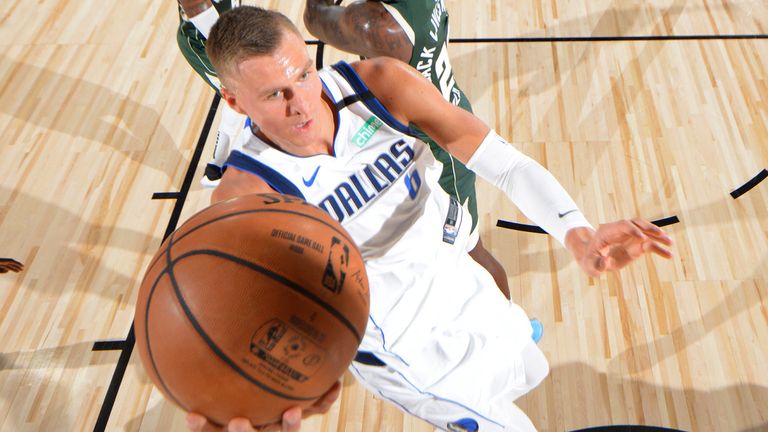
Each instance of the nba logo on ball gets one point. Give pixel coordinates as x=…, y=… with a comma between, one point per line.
x=336, y=269
x=254, y=305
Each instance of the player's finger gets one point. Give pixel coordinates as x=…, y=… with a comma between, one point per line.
x=615, y=232
x=654, y=247
x=325, y=402
x=652, y=231
x=240, y=425
x=593, y=264
x=292, y=420
x=195, y=422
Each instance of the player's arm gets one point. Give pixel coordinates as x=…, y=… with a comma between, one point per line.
x=362, y=28
x=201, y=13
x=236, y=182
x=410, y=98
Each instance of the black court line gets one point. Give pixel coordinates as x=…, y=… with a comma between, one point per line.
x=666, y=221
x=166, y=195
x=741, y=190
x=608, y=38
x=592, y=39
x=536, y=229
x=520, y=227
x=112, y=345
x=130, y=340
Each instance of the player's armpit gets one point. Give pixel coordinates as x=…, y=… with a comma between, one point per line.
x=236, y=183
x=363, y=28
x=411, y=98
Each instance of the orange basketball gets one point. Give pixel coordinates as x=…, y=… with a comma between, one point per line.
x=254, y=305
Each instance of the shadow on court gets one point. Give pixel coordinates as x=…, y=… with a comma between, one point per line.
x=104, y=117
x=59, y=403
x=71, y=248
x=616, y=20
x=735, y=408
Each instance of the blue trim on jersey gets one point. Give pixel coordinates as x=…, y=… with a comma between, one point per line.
x=432, y=395
x=373, y=104
x=394, y=402
x=384, y=342
x=273, y=178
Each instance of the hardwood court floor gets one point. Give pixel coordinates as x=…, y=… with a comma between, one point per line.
x=98, y=111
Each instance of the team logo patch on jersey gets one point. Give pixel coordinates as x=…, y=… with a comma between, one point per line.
x=365, y=133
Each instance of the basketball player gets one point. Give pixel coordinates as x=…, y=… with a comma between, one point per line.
x=439, y=343
x=415, y=32
x=196, y=19
x=8, y=264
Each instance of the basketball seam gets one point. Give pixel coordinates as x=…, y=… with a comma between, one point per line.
x=341, y=232
x=149, y=346
x=146, y=327
x=215, y=348
x=279, y=278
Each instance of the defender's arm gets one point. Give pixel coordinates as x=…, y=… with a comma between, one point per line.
x=202, y=14
x=362, y=28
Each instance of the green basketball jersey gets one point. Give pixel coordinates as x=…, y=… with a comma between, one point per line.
x=221, y=6
x=426, y=23
x=192, y=44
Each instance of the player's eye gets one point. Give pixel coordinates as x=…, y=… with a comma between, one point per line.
x=275, y=95
x=304, y=76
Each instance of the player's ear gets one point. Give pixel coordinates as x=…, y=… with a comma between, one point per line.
x=231, y=100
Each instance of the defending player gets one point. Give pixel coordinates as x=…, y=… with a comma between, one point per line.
x=196, y=19
x=415, y=32
x=439, y=344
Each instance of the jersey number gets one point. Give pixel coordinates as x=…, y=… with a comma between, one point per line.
x=412, y=183
x=445, y=75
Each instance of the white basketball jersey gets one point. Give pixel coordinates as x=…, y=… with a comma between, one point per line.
x=382, y=185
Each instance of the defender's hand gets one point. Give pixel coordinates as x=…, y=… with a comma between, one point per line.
x=8, y=264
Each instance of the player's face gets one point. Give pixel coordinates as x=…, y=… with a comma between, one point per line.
x=282, y=94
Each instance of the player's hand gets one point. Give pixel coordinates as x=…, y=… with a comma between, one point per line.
x=291, y=421
x=8, y=264
x=616, y=244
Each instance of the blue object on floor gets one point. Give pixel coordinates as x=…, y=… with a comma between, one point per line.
x=538, y=330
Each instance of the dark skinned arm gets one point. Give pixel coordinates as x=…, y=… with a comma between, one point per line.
x=362, y=28
x=194, y=7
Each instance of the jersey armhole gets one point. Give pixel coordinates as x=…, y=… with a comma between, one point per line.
x=365, y=96
x=274, y=179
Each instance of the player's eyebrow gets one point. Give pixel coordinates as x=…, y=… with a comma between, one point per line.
x=307, y=66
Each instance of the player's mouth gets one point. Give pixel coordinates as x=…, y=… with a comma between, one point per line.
x=303, y=127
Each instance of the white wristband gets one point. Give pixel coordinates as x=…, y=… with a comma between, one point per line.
x=532, y=188
x=205, y=20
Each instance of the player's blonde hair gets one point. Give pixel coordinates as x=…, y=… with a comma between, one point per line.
x=244, y=32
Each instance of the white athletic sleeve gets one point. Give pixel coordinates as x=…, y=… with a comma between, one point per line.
x=205, y=20
x=532, y=188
